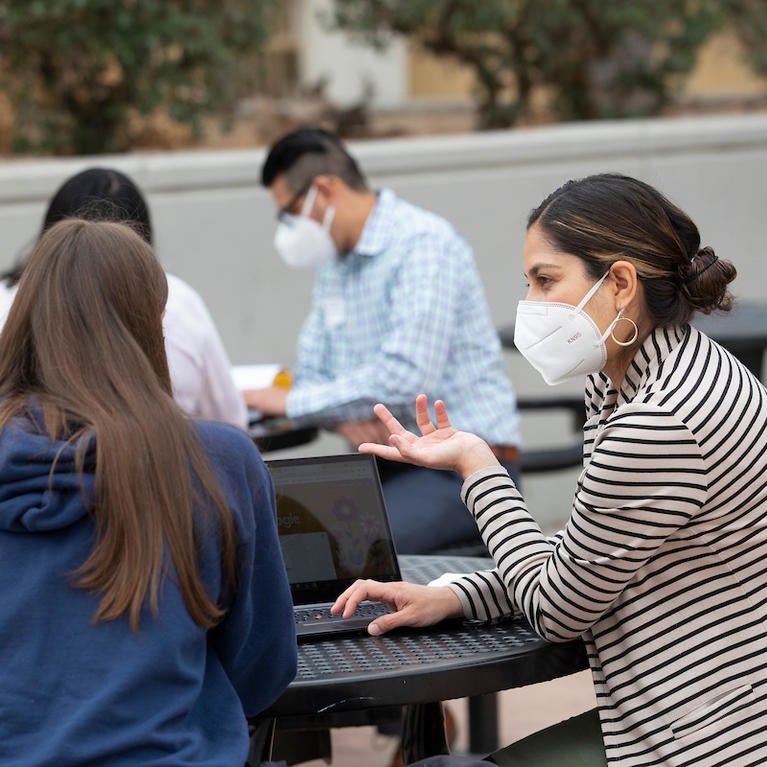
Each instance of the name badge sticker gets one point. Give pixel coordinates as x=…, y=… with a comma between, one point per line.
x=335, y=311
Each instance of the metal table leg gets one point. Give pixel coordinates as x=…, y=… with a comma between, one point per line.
x=261, y=739
x=423, y=732
x=483, y=723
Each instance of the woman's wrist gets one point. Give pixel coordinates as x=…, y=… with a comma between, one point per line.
x=476, y=456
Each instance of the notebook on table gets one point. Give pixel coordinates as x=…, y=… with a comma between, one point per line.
x=333, y=529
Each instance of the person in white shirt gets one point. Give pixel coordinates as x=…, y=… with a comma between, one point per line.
x=199, y=367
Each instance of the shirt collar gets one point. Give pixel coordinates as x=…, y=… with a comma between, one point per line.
x=378, y=230
x=601, y=396
x=645, y=366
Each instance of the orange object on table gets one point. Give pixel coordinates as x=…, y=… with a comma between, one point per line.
x=283, y=379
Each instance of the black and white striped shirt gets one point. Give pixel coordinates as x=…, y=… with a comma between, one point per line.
x=662, y=566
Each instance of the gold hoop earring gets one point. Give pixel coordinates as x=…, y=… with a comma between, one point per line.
x=633, y=337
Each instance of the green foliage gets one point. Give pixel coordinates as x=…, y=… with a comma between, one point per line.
x=749, y=20
x=596, y=58
x=78, y=70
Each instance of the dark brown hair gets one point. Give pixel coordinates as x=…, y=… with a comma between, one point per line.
x=83, y=343
x=95, y=194
x=308, y=152
x=610, y=217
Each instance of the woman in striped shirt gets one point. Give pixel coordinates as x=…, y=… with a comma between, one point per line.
x=662, y=565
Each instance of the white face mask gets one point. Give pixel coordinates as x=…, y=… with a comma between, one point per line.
x=559, y=340
x=303, y=243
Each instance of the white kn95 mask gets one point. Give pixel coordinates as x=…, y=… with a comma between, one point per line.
x=301, y=241
x=559, y=340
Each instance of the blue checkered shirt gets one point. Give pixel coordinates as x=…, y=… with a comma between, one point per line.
x=404, y=313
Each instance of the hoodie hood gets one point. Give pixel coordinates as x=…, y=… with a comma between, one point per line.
x=31, y=498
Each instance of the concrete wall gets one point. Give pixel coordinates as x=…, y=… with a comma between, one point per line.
x=349, y=66
x=214, y=224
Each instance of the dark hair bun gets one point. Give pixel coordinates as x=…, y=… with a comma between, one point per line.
x=706, y=286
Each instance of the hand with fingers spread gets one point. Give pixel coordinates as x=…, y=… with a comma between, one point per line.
x=414, y=605
x=439, y=447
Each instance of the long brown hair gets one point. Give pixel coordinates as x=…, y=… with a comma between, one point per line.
x=83, y=343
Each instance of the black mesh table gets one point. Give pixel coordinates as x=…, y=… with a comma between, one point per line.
x=342, y=680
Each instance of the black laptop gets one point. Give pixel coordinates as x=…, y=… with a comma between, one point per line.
x=333, y=529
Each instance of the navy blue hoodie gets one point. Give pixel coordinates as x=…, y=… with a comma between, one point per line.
x=75, y=692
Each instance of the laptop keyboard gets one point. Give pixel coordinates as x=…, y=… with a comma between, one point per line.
x=367, y=610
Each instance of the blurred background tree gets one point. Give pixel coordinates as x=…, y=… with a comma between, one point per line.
x=80, y=74
x=749, y=20
x=92, y=76
x=591, y=58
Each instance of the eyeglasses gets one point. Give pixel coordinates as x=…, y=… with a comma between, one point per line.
x=287, y=209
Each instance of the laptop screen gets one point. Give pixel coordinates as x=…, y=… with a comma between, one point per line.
x=332, y=524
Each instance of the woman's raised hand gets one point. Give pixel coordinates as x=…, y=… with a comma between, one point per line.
x=440, y=446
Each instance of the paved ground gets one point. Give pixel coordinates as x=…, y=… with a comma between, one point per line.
x=521, y=712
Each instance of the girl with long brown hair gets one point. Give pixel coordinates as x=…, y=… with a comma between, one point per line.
x=145, y=607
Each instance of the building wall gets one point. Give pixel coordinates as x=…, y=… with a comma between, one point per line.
x=215, y=224
x=348, y=67
x=437, y=79
x=405, y=74
x=720, y=73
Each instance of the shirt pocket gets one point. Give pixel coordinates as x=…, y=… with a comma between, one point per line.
x=714, y=711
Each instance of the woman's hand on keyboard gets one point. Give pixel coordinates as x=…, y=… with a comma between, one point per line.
x=413, y=605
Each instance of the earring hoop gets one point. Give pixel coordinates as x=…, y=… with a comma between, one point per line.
x=633, y=337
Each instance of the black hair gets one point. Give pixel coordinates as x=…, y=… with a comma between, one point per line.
x=309, y=152
x=94, y=194
x=610, y=217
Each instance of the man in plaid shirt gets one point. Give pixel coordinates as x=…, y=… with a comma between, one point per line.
x=398, y=309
